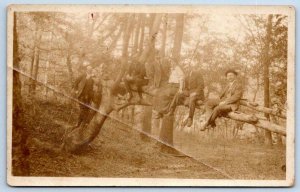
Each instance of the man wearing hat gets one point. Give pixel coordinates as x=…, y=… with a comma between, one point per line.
x=229, y=99
x=83, y=90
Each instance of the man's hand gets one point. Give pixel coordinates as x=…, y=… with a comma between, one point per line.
x=222, y=103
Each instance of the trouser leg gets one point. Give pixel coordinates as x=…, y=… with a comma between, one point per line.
x=175, y=101
x=192, y=106
x=220, y=110
x=209, y=106
x=127, y=84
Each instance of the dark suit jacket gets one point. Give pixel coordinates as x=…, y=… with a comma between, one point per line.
x=232, y=95
x=137, y=69
x=97, y=96
x=84, y=87
x=194, y=82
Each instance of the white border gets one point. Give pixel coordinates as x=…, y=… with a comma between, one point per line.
x=89, y=181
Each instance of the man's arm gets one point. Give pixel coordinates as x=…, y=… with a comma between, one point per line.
x=223, y=92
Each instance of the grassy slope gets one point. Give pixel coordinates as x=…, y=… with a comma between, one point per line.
x=118, y=151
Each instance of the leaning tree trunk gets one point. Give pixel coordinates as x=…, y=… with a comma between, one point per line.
x=266, y=63
x=20, y=151
x=81, y=137
x=167, y=124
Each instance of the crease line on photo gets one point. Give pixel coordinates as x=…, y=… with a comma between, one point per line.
x=124, y=123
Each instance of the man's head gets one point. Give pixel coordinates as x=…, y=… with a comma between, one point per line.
x=86, y=63
x=231, y=75
x=187, y=68
x=174, y=62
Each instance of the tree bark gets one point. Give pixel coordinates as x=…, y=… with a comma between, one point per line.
x=69, y=65
x=178, y=36
x=262, y=109
x=146, y=122
x=166, y=131
x=20, y=151
x=267, y=125
x=164, y=36
x=73, y=141
x=113, y=44
x=168, y=121
x=266, y=62
x=152, y=36
x=36, y=61
x=141, y=43
x=147, y=111
x=136, y=35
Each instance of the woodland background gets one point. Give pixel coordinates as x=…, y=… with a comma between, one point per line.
x=49, y=50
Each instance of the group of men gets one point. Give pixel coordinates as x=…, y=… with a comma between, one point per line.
x=88, y=89
x=191, y=86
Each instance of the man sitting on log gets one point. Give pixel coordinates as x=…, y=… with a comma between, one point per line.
x=174, y=84
x=194, y=90
x=229, y=100
x=136, y=76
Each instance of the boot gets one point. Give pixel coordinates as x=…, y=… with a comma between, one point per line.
x=156, y=115
x=204, y=127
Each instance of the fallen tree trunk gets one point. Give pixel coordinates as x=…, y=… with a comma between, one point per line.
x=262, y=109
x=252, y=119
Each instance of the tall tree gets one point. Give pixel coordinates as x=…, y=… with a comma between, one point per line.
x=142, y=28
x=167, y=125
x=20, y=151
x=79, y=138
x=35, y=59
x=266, y=63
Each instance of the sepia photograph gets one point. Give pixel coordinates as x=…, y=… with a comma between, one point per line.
x=148, y=95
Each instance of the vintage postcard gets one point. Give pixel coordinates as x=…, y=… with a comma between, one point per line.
x=150, y=95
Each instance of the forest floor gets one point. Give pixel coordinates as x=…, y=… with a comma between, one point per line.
x=238, y=159
x=121, y=151
x=118, y=151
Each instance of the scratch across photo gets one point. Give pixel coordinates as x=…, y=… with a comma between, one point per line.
x=140, y=95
